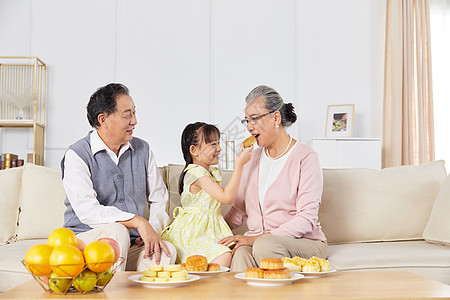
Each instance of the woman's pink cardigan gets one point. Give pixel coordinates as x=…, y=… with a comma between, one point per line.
x=291, y=204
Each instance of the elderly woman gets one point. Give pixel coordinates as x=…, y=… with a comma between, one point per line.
x=280, y=189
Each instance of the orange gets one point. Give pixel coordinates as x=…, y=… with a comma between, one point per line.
x=67, y=261
x=38, y=256
x=99, y=256
x=62, y=236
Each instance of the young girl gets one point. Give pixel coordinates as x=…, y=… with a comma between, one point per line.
x=199, y=224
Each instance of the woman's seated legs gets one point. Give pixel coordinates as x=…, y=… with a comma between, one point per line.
x=242, y=259
x=269, y=246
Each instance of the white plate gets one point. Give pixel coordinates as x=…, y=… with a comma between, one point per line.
x=210, y=273
x=316, y=274
x=269, y=282
x=150, y=284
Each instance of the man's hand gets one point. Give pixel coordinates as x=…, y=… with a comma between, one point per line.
x=148, y=237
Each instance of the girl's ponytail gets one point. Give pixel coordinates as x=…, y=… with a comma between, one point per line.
x=189, y=137
x=192, y=135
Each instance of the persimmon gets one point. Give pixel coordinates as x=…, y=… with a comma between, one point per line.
x=99, y=256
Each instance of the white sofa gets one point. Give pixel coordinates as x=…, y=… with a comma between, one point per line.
x=395, y=218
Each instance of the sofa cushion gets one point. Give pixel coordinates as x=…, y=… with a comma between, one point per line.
x=362, y=205
x=12, y=271
x=418, y=254
x=11, y=255
x=10, y=187
x=173, y=174
x=42, y=202
x=438, y=227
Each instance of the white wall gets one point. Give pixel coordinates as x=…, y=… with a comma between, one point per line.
x=187, y=61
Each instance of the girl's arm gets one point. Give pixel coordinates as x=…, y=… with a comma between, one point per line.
x=228, y=193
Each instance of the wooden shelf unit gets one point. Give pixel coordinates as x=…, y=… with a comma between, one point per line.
x=22, y=98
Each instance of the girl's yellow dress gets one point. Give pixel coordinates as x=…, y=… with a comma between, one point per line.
x=199, y=224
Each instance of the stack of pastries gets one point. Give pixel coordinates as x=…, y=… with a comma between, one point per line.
x=169, y=273
x=314, y=264
x=270, y=268
x=199, y=263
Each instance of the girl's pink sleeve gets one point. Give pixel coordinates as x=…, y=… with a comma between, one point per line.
x=308, y=199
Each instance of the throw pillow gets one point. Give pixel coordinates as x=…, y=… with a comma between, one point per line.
x=42, y=204
x=438, y=227
x=365, y=205
x=10, y=187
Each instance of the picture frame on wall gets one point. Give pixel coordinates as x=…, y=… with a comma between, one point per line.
x=340, y=119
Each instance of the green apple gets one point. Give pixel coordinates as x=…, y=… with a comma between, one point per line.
x=59, y=284
x=104, y=277
x=86, y=281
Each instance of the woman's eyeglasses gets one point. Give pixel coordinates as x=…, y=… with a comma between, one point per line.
x=252, y=120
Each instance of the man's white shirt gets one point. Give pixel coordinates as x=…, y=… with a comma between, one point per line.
x=83, y=198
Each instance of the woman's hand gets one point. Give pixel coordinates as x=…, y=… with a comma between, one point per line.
x=236, y=241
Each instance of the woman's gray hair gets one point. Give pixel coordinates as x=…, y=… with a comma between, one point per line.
x=273, y=102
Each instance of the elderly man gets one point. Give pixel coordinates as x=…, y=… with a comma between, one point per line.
x=110, y=178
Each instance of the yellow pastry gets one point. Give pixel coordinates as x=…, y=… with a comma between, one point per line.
x=156, y=268
x=149, y=273
x=213, y=267
x=254, y=273
x=175, y=279
x=161, y=279
x=283, y=273
x=164, y=274
x=311, y=266
x=196, y=263
x=172, y=268
x=271, y=263
x=249, y=141
x=182, y=273
x=300, y=260
x=292, y=264
x=145, y=278
x=324, y=265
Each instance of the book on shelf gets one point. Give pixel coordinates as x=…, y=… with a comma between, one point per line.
x=9, y=160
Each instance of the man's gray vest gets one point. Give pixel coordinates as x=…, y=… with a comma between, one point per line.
x=123, y=186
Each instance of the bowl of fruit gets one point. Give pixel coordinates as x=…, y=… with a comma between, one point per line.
x=67, y=265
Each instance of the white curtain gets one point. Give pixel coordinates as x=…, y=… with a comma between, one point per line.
x=440, y=53
x=408, y=135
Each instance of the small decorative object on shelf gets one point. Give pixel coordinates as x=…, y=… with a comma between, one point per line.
x=340, y=119
x=230, y=154
x=10, y=160
x=222, y=156
x=22, y=98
